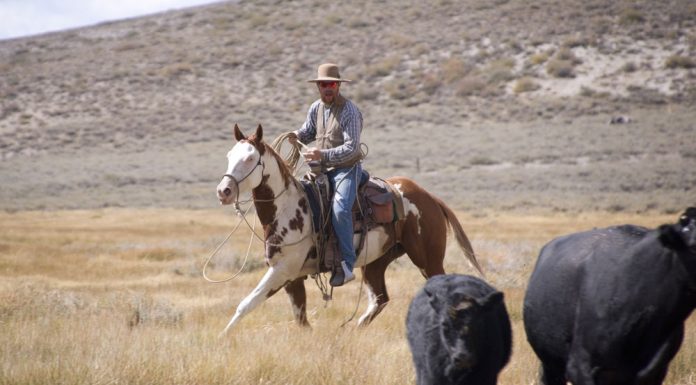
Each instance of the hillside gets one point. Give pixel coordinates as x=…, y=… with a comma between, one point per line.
x=499, y=105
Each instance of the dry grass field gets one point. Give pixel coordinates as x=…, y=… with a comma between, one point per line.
x=113, y=137
x=116, y=296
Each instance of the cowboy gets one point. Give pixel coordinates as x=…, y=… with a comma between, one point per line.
x=335, y=123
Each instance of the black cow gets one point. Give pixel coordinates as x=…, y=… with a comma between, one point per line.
x=459, y=331
x=608, y=306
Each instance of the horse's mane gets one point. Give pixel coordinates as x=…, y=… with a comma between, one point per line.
x=285, y=171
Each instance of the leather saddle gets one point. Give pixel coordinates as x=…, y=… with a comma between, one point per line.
x=377, y=203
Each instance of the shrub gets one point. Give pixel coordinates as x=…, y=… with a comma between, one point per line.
x=385, y=67
x=560, y=68
x=539, y=58
x=567, y=54
x=629, y=67
x=454, y=68
x=159, y=254
x=499, y=71
x=399, y=89
x=366, y=93
x=418, y=50
x=357, y=23
x=401, y=41
x=525, y=84
x=631, y=16
x=332, y=20
x=257, y=20
x=470, y=86
x=176, y=69
x=678, y=61
x=482, y=161
x=576, y=41
x=430, y=84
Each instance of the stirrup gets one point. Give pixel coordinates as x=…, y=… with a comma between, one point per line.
x=343, y=276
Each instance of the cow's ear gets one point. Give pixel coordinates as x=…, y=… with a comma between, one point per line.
x=493, y=298
x=462, y=305
x=238, y=133
x=432, y=298
x=688, y=216
x=671, y=238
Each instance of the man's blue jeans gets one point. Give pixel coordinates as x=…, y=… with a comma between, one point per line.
x=344, y=182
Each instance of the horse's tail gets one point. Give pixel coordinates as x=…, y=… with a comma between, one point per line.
x=459, y=234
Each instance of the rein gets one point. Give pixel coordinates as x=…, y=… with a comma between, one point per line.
x=237, y=182
x=237, y=202
x=246, y=257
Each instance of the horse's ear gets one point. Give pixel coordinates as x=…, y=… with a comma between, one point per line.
x=259, y=133
x=238, y=133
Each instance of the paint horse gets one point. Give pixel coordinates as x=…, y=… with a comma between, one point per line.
x=291, y=255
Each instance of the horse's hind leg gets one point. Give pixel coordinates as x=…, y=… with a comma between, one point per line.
x=298, y=298
x=373, y=275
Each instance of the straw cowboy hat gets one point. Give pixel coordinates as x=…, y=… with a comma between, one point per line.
x=328, y=72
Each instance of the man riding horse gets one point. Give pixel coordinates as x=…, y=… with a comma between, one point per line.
x=335, y=123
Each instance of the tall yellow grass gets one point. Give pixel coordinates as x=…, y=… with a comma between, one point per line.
x=116, y=297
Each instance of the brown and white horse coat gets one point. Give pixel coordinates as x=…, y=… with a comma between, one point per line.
x=284, y=212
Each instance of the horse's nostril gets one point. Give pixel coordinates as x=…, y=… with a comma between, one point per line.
x=227, y=191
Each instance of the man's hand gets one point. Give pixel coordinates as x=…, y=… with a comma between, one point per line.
x=312, y=154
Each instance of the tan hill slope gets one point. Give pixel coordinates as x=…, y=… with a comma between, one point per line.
x=491, y=104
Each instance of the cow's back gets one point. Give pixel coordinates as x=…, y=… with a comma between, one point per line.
x=555, y=285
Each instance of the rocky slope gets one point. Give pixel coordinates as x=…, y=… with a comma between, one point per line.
x=139, y=112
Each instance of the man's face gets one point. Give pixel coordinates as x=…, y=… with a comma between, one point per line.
x=328, y=91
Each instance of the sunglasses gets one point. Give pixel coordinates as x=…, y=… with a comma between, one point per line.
x=328, y=84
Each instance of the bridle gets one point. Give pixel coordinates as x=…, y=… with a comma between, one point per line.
x=237, y=202
x=237, y=182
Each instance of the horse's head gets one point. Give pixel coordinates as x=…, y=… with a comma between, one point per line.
x=244, y=166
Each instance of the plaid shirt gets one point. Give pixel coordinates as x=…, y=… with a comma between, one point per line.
x=350, y=121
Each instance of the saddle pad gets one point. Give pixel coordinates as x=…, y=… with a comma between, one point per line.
x=313, y=203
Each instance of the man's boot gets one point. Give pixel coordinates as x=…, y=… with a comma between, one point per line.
x=342, y=275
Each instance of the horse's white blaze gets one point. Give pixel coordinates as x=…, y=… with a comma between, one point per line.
x=242, y=160
x=409, y=207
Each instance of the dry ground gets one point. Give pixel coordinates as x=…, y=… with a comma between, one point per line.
x=113, y=137
x=116, y=296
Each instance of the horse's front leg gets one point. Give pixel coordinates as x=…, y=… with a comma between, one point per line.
x=272, y=281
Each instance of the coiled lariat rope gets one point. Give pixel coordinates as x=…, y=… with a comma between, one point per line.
x=246, y=257
x=292, y=159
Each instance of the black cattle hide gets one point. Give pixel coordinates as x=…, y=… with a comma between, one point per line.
x=608, y=306
x=458, y=331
